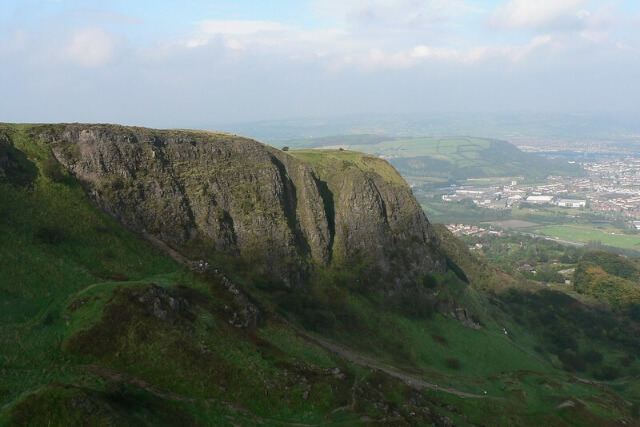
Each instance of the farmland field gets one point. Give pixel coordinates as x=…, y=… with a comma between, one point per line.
x=585, y=233
x=435, y=160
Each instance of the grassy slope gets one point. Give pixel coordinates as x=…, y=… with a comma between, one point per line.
x=438, y=159
x=58, y=257
x=68, y=290
x=331, y=159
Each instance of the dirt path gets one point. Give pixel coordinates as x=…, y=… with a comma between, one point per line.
x=170, y=251
x=366, y=361
x=343, y=352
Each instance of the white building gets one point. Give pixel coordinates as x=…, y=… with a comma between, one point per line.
x=572, y=203
x=539, y=199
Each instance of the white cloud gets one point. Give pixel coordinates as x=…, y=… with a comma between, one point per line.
x=239, y=27
x=377, y=59
x=235, y=44
x=397, y=13
x=90, y=47
x=539, y=14
x=233, y=31
x=272, y=38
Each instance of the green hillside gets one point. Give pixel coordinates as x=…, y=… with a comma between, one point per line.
x=98, y=326
x=448, y=158
x=610, y=278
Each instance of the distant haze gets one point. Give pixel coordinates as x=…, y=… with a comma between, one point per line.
x=206, y=64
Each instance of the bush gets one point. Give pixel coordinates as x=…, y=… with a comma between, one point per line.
x=452, y=363
x=606, y=373
x=439, y=339
x=414, y=306
x=318, y=320
x=49, y=235
x=52, y=169
x=571, y=361
x=429, y=282
x=625, y=361
x=593, y=356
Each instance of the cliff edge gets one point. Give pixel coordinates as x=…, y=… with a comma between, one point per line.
x=226, y=198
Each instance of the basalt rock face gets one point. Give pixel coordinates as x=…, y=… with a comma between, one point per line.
x=210, y=194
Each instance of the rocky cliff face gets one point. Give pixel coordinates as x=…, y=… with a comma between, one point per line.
x=283, y=214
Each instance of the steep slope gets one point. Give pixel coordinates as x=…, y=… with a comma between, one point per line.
x=99, y=327
x=225, y=196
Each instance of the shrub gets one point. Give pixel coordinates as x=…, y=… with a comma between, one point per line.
x=606, y=373
x=452, y=363
x=318, y=320
x=439, y=339
x=625, y=361
x=572, y=361
x=49, y=235
x=414, y=306
x=429, y=282
x=52, y=169
x=593, y=356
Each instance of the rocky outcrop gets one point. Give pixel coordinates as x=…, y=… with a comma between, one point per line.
x=279, y=214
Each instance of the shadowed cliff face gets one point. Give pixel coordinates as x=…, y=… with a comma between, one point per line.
x=282, y=214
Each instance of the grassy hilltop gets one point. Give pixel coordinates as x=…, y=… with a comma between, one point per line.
x=106, y=323
x=441, y=159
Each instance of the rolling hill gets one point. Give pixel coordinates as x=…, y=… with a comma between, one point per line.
x=448, y=158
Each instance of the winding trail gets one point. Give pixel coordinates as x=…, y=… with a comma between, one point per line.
x=344, y=353
x=371, y=363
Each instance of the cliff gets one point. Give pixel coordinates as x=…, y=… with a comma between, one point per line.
x=279, y=214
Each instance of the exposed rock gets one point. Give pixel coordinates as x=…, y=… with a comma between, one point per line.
x=462, y=315
x=244, y=313
x=160, y=304
x=227, y=195
x=566, y=404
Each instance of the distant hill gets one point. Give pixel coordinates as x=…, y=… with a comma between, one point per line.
x=450, y=158
x=550, y=126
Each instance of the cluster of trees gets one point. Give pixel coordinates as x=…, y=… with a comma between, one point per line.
x=512, y=251
x=584, y=339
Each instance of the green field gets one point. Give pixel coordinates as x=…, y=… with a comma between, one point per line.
x=609, y=237
x=446, y=148
x=441, y=159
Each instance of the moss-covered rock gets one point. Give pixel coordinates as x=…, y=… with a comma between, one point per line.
x=281, y=214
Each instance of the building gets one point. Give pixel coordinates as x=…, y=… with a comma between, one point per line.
x=527, y=267
x=539, y=199
x=572, y=203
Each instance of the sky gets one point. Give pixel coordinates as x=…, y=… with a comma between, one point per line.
x=201, y=64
